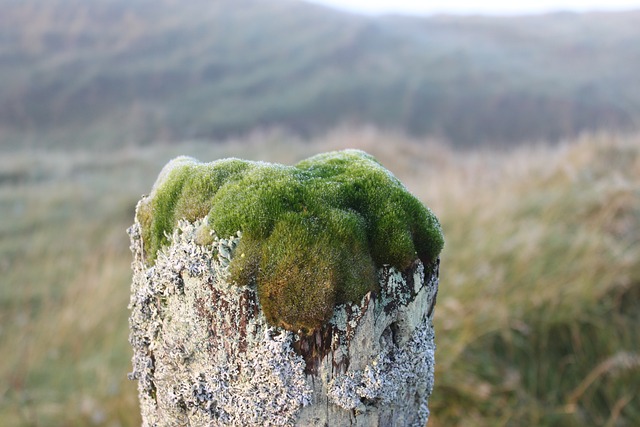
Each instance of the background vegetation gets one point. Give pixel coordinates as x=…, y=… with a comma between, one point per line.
x=537, y=320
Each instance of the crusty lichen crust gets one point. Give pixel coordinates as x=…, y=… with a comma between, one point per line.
x=206, y=355
x=314, y=234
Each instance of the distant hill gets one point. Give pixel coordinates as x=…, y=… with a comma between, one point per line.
x=100, y=72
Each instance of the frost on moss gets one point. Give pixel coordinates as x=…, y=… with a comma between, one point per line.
x=313, y=234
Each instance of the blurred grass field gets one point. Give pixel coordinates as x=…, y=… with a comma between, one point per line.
x=537, y=319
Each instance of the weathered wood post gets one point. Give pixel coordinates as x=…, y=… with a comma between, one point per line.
x=283, y=295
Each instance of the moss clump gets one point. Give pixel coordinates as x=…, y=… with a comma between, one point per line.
x=313, y=234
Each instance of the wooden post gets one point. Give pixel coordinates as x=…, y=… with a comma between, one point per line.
x=206, y=355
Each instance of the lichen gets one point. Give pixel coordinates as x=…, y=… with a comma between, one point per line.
x=313, y=234
x=203, y=353
x=392, y=374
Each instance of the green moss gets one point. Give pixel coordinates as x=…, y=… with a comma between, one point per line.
x=313, y=234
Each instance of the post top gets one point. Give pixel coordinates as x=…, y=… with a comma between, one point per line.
x=313, y=234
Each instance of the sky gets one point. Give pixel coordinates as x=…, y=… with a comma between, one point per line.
x=491, y=7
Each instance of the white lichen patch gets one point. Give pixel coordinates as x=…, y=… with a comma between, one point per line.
x=203, y=352
x=391, y=352
x=394, y=377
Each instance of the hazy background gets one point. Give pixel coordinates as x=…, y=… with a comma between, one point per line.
x=521, y=132
x=469, y=7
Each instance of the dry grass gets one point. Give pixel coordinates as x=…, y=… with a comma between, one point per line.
x=537, y=320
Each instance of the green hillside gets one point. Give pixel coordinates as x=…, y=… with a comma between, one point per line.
x=118, y=72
